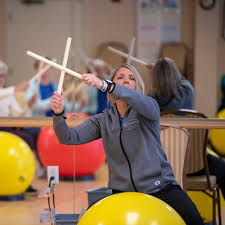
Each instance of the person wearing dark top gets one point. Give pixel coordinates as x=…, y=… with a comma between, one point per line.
x=172, y=91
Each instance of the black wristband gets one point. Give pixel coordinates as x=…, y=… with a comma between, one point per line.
x=58, y=114
x=109, y=85
x=114, y=85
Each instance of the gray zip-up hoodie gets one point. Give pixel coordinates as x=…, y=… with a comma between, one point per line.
x=136, y=160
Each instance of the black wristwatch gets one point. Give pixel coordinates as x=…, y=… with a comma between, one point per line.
x=60, y=114
x=109, y=83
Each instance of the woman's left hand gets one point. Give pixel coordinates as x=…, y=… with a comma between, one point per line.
x=92, y=80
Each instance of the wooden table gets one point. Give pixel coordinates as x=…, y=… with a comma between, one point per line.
x=35, y=121
x=209, y=123
x=47, y=121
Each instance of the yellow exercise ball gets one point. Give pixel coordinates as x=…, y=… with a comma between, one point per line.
x=204, y=205
x=204, y=202
x=17, y=164
x=217, y=136
x=131, y=208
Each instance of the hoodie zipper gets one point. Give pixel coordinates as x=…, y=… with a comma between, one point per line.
x=131, y=176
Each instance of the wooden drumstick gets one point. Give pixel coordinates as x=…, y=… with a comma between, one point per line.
x=65, y=59
x=126, y=55
x=55, y=65
x=131, y=50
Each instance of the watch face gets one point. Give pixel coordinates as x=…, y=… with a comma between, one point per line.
x=207, y=4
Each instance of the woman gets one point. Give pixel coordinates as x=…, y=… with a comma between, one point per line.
x=9, y=91
x=45, y=88
x=170, y=89
x=130, y=131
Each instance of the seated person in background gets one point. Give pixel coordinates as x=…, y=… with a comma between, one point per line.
x=9, y=104
x=172, y=91
x=10, y=107
x=103, y=71
x=9, y=91
x=96, y=99
x=44, y=88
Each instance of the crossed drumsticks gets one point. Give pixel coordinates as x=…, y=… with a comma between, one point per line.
x=71, y=72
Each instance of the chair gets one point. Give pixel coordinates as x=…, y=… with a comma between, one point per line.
x=176, y=143
x=198, y=160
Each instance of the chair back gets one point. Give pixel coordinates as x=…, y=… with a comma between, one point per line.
x=198, y=160
x=176, y=143
x=199, y=140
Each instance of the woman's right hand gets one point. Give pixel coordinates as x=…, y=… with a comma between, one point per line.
x=57, y=102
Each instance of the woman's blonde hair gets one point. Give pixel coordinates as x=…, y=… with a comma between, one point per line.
x=166, y=78
x=140, y=86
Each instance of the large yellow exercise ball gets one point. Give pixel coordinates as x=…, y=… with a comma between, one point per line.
x=17, y=164
x=204, y=202
x=131, y=208
x=204, y=205
x=217, y=136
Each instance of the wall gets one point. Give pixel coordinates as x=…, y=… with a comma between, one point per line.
x=108, y=21
x=207, y=32
x=2, y=31
x=43, y=29
x=188, y=34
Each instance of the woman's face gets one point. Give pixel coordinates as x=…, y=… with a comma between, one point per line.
x=125, y=77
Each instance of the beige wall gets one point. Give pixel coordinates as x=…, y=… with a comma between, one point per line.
x=2, y=50
x=107, y=21
x=188, y=34
x=207, y=32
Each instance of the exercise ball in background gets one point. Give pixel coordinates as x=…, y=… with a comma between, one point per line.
x=88, y=157
x=203, y=201
x=204, y=205
x=17, y=165
x=217, y=136
x=131, y=208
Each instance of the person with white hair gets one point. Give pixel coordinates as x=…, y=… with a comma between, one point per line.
x=96, y=99
x=9, y=91
x=45, y=88
x=10, y=107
